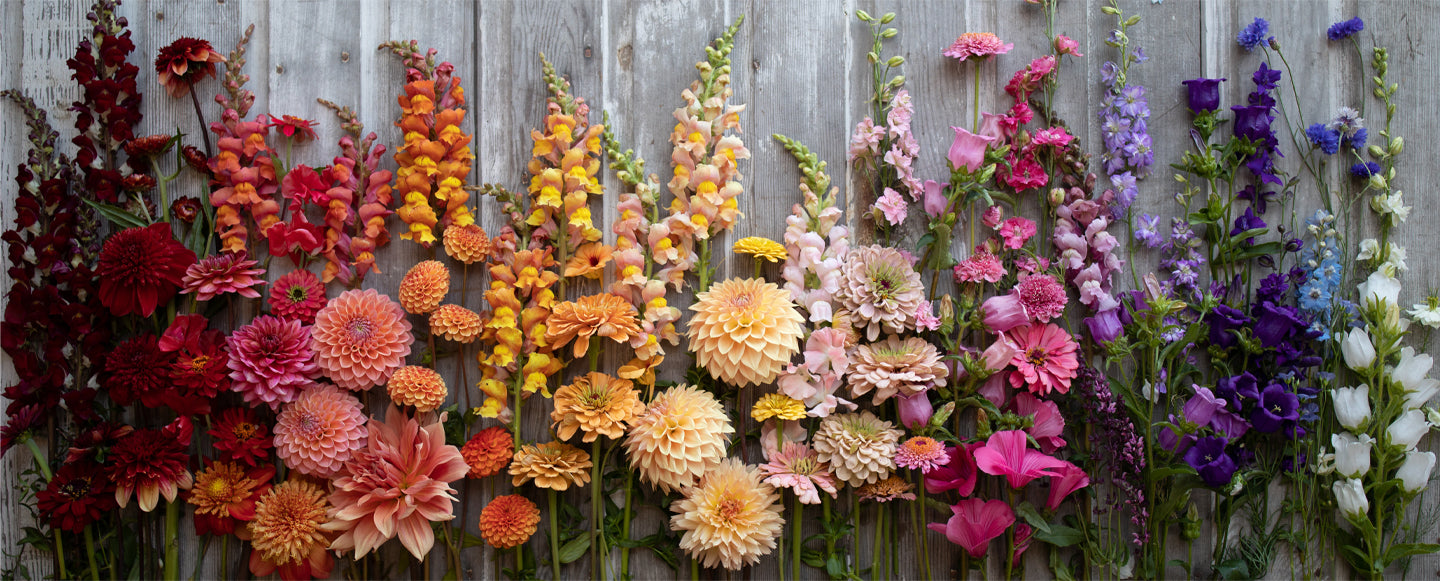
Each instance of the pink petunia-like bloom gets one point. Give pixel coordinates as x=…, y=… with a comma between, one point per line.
x=921, y=453
x=1004, y=312
x=975, y=523
x=1046, y=422
x=958, y=473
x=227, y=272
x=1008, y=454
x=1044, y=297
x=1016, y=231
x=977, y=45
x=1070, y=479
x=980, y=267
x=1067, y=45
x=892, y=207
x=395, y=486
x=1044, y=359
x=968, y=150
x=1054, y=136
x=271, y=361
x=798, y=468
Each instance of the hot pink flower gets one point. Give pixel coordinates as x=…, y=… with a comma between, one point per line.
x=1045, y=359
x=1047, y=424
x=1043, y=296
x=975, y=523
x=1056, y=136
x=227, y=272
x=921, y=453
x=958, y=473
x=1023, y=536
x=992, y=216
x=1066, y=45
x=968, y=150
x=1069, y=479
x=1004, y=312
x=892, y=206
x=1008, y=454
x=1025, y=173
x=271, y=361
x=980, y=267
x=1016, y=231
x=977, y=45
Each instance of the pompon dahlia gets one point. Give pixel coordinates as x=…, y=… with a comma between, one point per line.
x=683, y=433
x=396, y=485
x=603, y=315
x=921, y=453
x=141, y=268
x=288, y=532
x=859, y=447
x=148, y=463
x=237, y=435
x=597, y=405
x=419, y=386
x=881, y=290
x=744, y=331
x=424, y=286
x=467, y=244
x=488, y=451
x=797, y=467
x=887, y=490
x=778, y=405
x=455, y=323
x=297, y=296
x=271, y=361
x=360, y=338
x=78, y=495
x=224, y=496
x=904, y=366
x=731, y=518
x=508, y=521
x=227, y=272
x=319, y=431
x=552, y=465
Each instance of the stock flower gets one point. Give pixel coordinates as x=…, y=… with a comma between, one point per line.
x=237, y=435
x=227, y=272
x=508, y=521
x=760, y=247
x=455, y=323
x=1069, y=479
x=887, y=490
x=880, y=289
x=417, y=386
x=488, y=451
x=1350, y=496
x=297, y=296
x=1209, y=458
x=744, y=331
x=1352, y=406
x=467, y=244
x=224, y=496
x=1007, y=454
x=894, y=366
x=271, y=361
x=78, y=495
x=974, y=523
x=777, y=405
x=730, y=518
x=148, y=463
x=596, y=404
x=141, y=268
x=891, y=206
x=681, y=435
x=185, y=62
x=288, y=534
x=552, y=465
x=979, y=45
x=1044, y=359
x=1414, y=473
x=859, y=447
x=360, y=338
x=797, y=467
x=1352, y=454
x=600, y=315
x=318, y=432
x=921, y=453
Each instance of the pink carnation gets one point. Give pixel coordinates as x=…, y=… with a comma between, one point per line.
x=1056, y=136
x=1043, y=297
x=980, y=267
x=1016, y=231
x=977, y=45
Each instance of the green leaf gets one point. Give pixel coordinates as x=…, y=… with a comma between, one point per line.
x=1027, y=511
x=1233, y=569
x=1163, y=473
x=1403, y=550
x=574, y=549
x=471, y=541
x=116, y=215
x=834, y=566
x=813, y=559
x=1061, y=536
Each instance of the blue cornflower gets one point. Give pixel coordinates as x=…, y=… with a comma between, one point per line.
x=1365, y=170
x=1345, y=29
x=1328, y=140
x=1356, y=141
x=1254, y=35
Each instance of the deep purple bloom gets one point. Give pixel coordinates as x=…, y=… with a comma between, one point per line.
x=1365, y=170
x=1237, y=389
x=1254, y=35
x=1204, y=94
x=1105, y=325
x=1253, y=122
x=1201, y=407
x=1258, y=197
x=1276, y=324
x=1208, y=457
x=1222, y=321
x=1245, y=223
x=1272, y=288
x=1345, y=29
x=1328, y=140
x=1276, y=406
x=1229, y=423
x=1266, y=79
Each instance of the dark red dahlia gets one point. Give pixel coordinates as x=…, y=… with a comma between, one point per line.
x=94, y=443
x=184, y=62
x=199, y=368
x=238, y=435
x=141, y=268
x=148, y=463
x=137, y=370
x=297, y=296
x=78, y=495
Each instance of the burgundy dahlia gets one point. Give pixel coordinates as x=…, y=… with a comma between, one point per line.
x=78, y=495
x=137, y=370
x=141, y=268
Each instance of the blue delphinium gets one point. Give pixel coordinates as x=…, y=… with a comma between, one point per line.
x=1256, y=34
x=1345, y=29
x=1328, y=140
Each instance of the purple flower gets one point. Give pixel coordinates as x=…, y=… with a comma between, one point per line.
x=1202, y=406
x=1254, y=35
x=1345, y=29
x=1261, y=165
x=1276, y=406
x=1275, y=324
x=1229, y=424
x=1266, y=79
x=1258, y=197
x=1109, y=72
x=1328, y=140
x=1147, y=230
x=1105, y=325
x=1204, y=94
x=1222, y=321
x=1245, y=223
x=1236, y=389
x=1208, y=457
x=1365, y=170
x=1253, y=122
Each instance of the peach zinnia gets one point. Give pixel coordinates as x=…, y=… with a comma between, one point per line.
x=287, y=533
x=360, y=338
x=509, y=521
x=417, y=386
x=424, y=286
x=488, y=451
x=552, y=465
x=603, y=315
x=744, y=331
x=596, y=404
x=731, y=518
x=317, y=433
x=455, y=323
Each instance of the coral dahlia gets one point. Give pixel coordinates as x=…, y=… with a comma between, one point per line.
x=319, y=431
x=140, y=269
x=596, y=404
x=271, y=361
x=508, y=521
x=730, y=518
x=859, y=447
x=744, y=331
x=424, y=286
x=360, y=338
x=603, y=315
x=552, y=465
x=417, y=386
x=907, y=367
x=297, y=296
x=148, y=463
x=455, y=323
x=467, y=244
x=488, y=451
x=880, y=290
x=227, y=272
x=288, y=532
x=683, y=433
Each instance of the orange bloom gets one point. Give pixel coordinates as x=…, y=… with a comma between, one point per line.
x=604, y=314
x=288, y=532
x=455, y=323
x=509, y=521
x=360, y=338
x=597, y=405
x=589, y=261
x=424, y=286
x=552, y=465
x=488, y=451
x=467, y=244
x=419, y=386
x=224, y=495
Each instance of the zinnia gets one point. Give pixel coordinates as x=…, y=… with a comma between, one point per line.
x=683, y=433
x=319, y=432
x=148, y=463
x=140, y=269
x=760, y=247
x=508, y=521
x=798, y=468
x=288, y=532
x=977, y=45
x=488, y=451
x=859, y=447
x=921, y=453
x=776, y=405
x=603, y=315
x=223, y=273
x=887, y=490
x=907, y=367
x=596, y=404
x=360, y=338
x=552, y=465
x=297, y=296
x=1044, y=359
x=731, y=518
x=881, y=290
x=271, y=361
x=744, y=331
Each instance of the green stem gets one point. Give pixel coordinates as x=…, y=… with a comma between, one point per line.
x=90, y=554
x=780, y=548
x=160, y=181
x=703, y=267
x=921, y=530
x=694, y=570
x=625, y=527
x=554, y=534
x=515, y=419
x=204, y=549
x=224, y=558
x=172, y=541
x=877, y=563
x=855, y=536
x=798, y=540
x=597, y=511
x=454, y=553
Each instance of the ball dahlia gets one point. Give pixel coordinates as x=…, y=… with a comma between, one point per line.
x=509, y=521
x=731, y=518
x=596, y=404
x=552, y=465
x=419, y=386
x=881, y=290
x=288, y=532
x=859, y=447
x=360, y=338
x=227, y=272
x=455, y=323
x=467, y=244
x=148, y=463
x=683, y=433
x=603, y=315
x=137, y=370
x=744, y=331
x=895, y=365
x=140, y=269
x=319, y=431
x=488, y=451
x=271, y=361
x=424, y=286
x=297, y=296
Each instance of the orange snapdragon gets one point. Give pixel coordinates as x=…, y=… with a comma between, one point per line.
x=435, y=159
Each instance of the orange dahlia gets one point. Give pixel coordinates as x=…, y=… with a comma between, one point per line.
x=417, y=386
x=287, y=533
x=467, y=244
x=731, y=518
x=552, y=465
x=508, y=521
x=596, y=404
x=605, y=315
x=424, y=287
x=744, y=331
x=317, y=433
x=224, y=496
x=684, y=432
x=455, y=323
x=488, y=451
x=360, y=338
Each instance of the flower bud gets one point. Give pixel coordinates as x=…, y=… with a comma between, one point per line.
x=1352, y=454
x=1377, y=182
x=1352, y=406
x=863, y=16
x=1350, y=496
x=1359, y=353
x=1397, y=145
x=1414, y=474
x=1057, y=196
x=895, y=61
x=916, y=410
x=887, y=18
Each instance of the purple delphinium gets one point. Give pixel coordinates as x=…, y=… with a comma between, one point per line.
x=1209, y=458
x=1254, y=122
x=1119, y=449
x=1124, y=116
x=1256, y=34
x=1345, y=28
x=1147, y=228
x=1328, y=140
x=1246, y=222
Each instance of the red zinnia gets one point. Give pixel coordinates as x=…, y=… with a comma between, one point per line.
x=239, y=436
x=140, y=269
x=148, y=463
x=297, y=296
x=22, y=422
x=136, y=370
x=299, y=129
x=78, y=495
x=184, y=62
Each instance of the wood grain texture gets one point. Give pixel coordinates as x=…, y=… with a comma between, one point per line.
x=800, y=69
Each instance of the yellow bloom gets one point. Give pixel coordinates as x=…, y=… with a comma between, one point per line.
x=778, y=406
x=761, y=248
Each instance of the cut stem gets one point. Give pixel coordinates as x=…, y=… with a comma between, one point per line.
x=554, y=534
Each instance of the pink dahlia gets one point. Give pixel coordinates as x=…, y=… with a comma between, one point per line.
x=319, y=431
x=1044, y=297
x=980, y=267
x=297, y=296
x=226, y=272
x=1044, y=359
x=271, y=361
x=395, y=486
x=977, y=45
x=921, y=453
x=798, y=468
x=360, y=338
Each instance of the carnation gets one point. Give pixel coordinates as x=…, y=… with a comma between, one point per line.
x=1042, y=296
x=881, y=290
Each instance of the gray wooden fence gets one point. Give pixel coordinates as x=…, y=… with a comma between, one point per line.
x=800, y=67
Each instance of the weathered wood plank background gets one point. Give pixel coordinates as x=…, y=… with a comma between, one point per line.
x=799, y=65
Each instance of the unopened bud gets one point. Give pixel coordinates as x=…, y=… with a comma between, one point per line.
x=887, y=18
x=1376, y=151
x=863, y=16
x=1397, y=145
x=1057, y=196
x=895, y=61
x=1377, y=182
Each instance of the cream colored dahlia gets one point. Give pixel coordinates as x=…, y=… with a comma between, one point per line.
x=552, y=465
x=881, y=290
x=596, y=404
x=424, y=286
x=602, y=315
x=684, y=432
x=419, y=386
x=319, y=431
x=455, y=323
x=467, y=244
x=895, y=365
x=859, y=447
x=744, y=331
x=509, y=521
x=730, y=518
x=360, y=338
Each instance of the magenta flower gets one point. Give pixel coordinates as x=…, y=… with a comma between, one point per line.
x=958, y=473
x=1044, y=359
x=975, y=523
x=1016, y=231
x=980, y=267
x=1046, y=425
x=1055, y=136
x=1004, y=312
x=915, y=410
x=977, y=45
x=1070, y=479
x=1067, y=45
x=1008, y=454
x=968, y=150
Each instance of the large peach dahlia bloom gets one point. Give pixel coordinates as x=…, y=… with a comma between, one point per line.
x=744, y=331
x=683, y=433
x=731, y=518
x=319, y=431
x=360, y=338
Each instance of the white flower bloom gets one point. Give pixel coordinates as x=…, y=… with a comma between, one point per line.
x=1406, y=431
x=1414, y=474
x=1324, y=462
x=1369, y=249
x=1428, y=313
x=1356, y=348
x=1352, y=454
x=1378, y=288
x=1396, y=259
x=1352, y=406
x=1422, y=394
x=1393, y=205
x=1350, y=495
x=1411, y=368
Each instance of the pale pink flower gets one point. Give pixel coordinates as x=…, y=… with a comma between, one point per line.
x=825, y=351
x=776, y=434
x=798, y=468
x=1066, y=45
x=993, y=125
x=1007, y=454
x=968, y=150
x=227, y=272
x=925, y=319
x=866, y=139
x=934, y=200
x=1044, y=359
x=977, y=45
x=892, y=206
x=975, y=523
x=979, y=268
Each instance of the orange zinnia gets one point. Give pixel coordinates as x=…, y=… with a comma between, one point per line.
x=604, y=314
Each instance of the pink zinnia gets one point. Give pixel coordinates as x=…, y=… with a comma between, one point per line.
x=975, y=523
x=921, y=453
x=892, y=206
x=1016, y=231
x=798, y=468
x=980, y=267
x=317, y=433
x=1043, y=296
x=1008, y=454
x=297, y=296
x=978, y=45
x=1044, y=359
x=1056, y=136
x=226, y=272
x=271, y=361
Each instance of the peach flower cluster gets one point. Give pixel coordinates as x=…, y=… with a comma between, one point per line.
x=516, y=351
x=435, y=159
